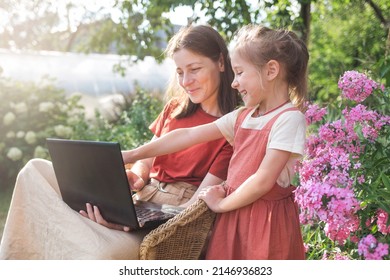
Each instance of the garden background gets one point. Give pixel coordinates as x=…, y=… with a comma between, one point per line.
x=343, y=183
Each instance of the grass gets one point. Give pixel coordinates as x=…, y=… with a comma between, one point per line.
x=5, y=199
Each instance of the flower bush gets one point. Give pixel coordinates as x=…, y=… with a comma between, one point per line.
x=344, y=185
x=30, y=113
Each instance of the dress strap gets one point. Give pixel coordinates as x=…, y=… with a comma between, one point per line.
x=271, y=122
x=241, y=118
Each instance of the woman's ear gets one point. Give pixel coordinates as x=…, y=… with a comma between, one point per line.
x=273, y=69
x=221, y=63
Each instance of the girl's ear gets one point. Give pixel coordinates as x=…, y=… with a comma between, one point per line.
x=273, y=68
x=221, y=63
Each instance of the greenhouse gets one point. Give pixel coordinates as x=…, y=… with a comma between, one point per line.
x=90, y=74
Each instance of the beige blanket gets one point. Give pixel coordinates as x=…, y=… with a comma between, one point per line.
x=41, y=226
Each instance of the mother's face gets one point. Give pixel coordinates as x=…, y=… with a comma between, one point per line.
x=199, y=76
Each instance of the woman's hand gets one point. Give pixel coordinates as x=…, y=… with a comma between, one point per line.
x=93, y=214
x=135, y=181
x=213, y=196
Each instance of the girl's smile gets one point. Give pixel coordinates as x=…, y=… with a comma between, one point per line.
x=247, y=80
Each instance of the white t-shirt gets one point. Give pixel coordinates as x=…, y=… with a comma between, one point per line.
x=288, y=134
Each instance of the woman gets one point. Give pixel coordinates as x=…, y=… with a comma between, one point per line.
x=41, y=226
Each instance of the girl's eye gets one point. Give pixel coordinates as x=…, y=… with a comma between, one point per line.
x=194, y=70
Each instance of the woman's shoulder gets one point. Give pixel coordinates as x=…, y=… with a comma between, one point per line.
x=172, y=107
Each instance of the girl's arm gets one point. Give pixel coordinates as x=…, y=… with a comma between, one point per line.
x=174, y=141
x=253, y=188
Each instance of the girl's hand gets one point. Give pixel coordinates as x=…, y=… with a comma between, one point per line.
x=93, y=214
x=213, y=196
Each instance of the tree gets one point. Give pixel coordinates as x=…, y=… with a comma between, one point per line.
x=347, y=35
x=46, y=25
x=341, y=34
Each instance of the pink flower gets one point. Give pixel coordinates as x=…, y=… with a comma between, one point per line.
x=382, y=218
x=314, y=113
x=334, y=256
x=356, y=86
x=371, y=249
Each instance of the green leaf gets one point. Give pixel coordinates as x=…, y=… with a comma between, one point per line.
x=386, y=181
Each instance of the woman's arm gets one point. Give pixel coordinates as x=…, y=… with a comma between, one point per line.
x=138, y=174
x=253, y=188
x=93, y=214
x=173, y=141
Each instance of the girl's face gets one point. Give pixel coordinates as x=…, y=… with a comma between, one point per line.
x=247, y=80
x=199, y=76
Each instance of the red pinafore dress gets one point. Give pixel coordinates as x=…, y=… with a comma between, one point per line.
x=267, y=229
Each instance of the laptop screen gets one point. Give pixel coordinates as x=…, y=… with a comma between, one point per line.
x=93, y=171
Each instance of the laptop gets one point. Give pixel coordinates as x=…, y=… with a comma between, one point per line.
x=94, y=172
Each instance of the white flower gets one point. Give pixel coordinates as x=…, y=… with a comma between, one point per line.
x=20, y=107
x=40, y=152
x=46, y=106
x=20, y=134
x=31, y=137
x=63, y=131
x=9, y=118
x=11, y=134
x=62, y=107
x=15, y=154
x=73, y=120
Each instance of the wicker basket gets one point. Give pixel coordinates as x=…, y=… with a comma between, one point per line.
x=180, y=238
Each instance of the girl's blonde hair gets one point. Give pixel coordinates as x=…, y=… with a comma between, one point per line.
x=259, y=45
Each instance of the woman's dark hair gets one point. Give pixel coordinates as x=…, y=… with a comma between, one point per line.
x=203, y=40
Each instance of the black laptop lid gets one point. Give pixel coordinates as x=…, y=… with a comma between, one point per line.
x=92, y=171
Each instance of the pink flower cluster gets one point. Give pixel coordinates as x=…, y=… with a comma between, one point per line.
x=371, y=249
x=334, y=256
x=314, y=113
x=331, y=168
x=356, y=86
x=326, y=191
x=382, y=218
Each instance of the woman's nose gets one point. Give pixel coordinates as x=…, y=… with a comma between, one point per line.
x=187, y=79
x=234, y=84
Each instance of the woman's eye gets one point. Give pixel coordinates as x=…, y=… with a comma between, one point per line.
x=195, y=70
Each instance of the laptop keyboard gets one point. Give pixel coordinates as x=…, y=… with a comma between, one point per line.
x=146, y=214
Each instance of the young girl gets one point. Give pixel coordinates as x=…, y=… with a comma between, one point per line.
x=258, y=216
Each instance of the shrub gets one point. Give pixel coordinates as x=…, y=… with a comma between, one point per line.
x=130, y=128
x=31, y=113
x=344, y=189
